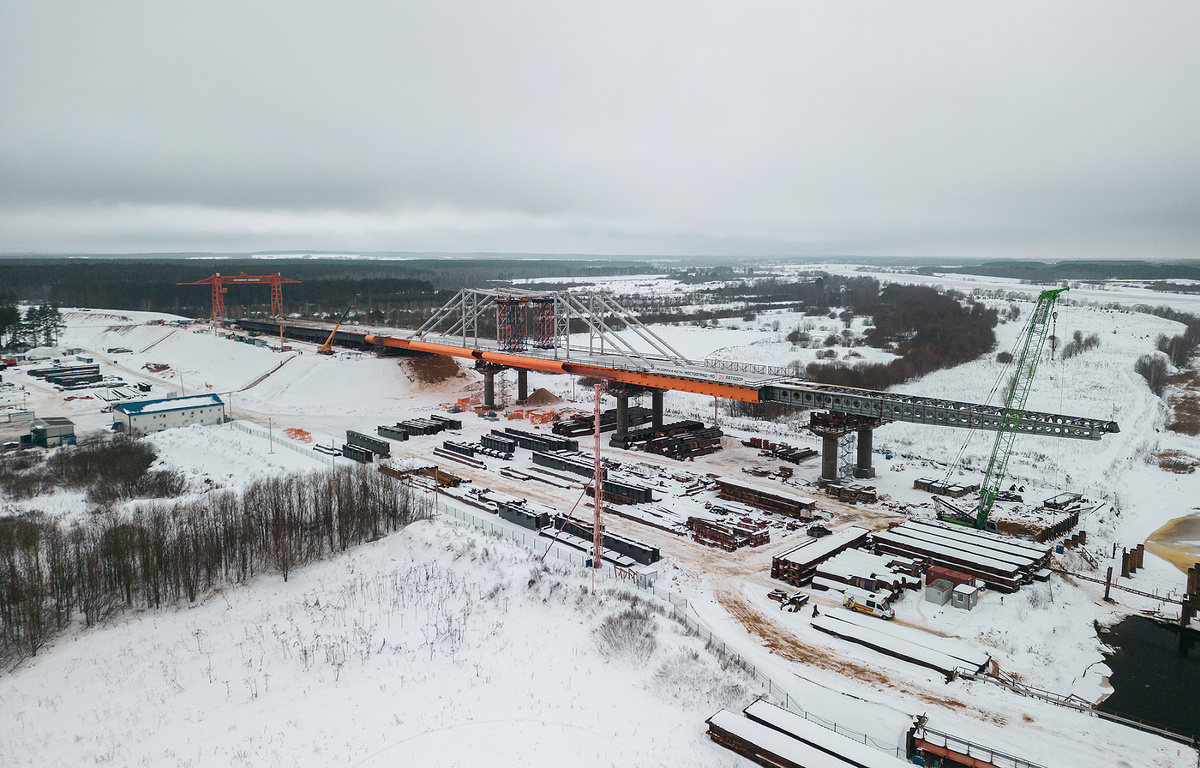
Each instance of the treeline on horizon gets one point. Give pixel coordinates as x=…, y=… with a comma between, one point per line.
x=327, y=286
x=1052, y=272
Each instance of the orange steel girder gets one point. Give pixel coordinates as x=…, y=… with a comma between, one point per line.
x=652, y=380
x=219, y=281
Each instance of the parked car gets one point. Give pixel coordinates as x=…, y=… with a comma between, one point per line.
x=817, y=531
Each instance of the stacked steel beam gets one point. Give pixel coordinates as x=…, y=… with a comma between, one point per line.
x=639, y=437
x=781, y=451
x=687, y=445
x=361, y=455
x=69, y=376
x=793, y=506
x=500, y=447
x=536, y=442
x=729, y=535
x=581, y=424
x=460, y=448
x=359, y=440
x=631, y=548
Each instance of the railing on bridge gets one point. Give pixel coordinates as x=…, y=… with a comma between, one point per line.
x=930, y=737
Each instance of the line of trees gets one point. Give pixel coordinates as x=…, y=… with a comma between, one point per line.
x=39, y=325
x=164, y=553
x=328, y=285
x=928, y=330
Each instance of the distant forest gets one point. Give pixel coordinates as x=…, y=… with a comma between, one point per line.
x=1042, y=272
x=327, y=287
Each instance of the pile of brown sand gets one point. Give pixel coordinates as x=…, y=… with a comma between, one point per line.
x=543, y=397
x=433, y=369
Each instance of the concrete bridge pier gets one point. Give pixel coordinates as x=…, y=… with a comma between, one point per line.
x=489, y=389
x=656, y=408
x=489, y=371
x=864, y=468
x=522, y=386
x=829, y=458
x=622, y=413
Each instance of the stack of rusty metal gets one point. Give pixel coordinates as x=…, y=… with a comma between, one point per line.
x=793, y=506
x=729, y=535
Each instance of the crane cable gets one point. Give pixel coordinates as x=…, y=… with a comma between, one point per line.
x=1001, y=377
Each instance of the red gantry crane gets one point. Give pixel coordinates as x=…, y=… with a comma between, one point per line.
x=219, y=281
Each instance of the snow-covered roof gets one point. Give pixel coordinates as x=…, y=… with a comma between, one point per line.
x=169, y=404
x=816, y=550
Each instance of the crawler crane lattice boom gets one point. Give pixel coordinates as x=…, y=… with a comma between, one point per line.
x=1031, y=342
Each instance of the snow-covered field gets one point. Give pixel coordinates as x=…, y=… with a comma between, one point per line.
x=442, y=645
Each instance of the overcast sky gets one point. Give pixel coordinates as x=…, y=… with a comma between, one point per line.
x=1010, y=129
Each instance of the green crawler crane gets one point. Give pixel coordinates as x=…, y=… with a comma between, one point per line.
x=1033, y=337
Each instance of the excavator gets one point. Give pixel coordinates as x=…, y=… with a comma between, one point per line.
x=327, y=347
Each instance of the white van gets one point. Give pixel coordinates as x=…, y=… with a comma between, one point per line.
x=871, y=604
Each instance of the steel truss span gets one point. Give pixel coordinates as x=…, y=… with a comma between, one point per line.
x=620, y=348
x=927, y=410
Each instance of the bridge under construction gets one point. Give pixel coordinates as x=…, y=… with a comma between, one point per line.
x=588, y=334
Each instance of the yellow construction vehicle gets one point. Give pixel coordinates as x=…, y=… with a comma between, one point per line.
x=327, y=347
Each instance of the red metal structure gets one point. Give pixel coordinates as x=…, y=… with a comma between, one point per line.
x=511, y=324
x=597, y=530
x=219, y=281
x=544, y=334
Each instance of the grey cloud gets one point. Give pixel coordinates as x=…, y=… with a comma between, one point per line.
x=630, y=127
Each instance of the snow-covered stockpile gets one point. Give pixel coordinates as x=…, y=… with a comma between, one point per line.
x=433, y=645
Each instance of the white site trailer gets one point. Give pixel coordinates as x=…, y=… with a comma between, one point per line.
x=146, y=416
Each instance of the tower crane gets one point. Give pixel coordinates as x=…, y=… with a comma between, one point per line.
x=1033, y=337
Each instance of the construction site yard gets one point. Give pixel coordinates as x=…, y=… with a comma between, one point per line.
x=522, y=667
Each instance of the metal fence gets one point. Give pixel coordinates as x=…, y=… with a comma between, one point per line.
x=531, y=541
x=285, y=443
x=682, y=612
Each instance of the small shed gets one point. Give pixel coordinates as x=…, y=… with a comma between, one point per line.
x=964, y=597
x=52, y=431
x=938, y=592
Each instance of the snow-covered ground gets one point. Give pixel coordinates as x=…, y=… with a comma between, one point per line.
x=517, y=676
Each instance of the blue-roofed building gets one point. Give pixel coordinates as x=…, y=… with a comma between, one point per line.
x=146, y=416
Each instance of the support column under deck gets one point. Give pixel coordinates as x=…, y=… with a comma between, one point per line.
x=622, y=414
x=489, y=390
x=829, y=458
x=522, y=386
x=656, y=408
x=863, y=469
